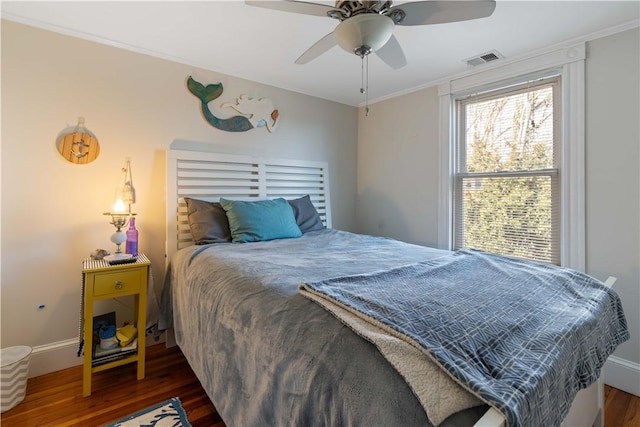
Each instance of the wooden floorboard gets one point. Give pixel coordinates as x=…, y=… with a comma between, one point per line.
x=56, y=399
x=621, y=409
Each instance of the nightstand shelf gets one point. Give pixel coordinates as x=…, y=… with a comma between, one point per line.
x=100, y=280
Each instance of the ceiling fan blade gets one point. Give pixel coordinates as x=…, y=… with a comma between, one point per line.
x=392, y=54
x=303, y=7
x=318, y=48
x=439, y=12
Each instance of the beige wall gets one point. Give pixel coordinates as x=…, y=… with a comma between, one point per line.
x=613, y=172
x=137, y=106
x=398, y=171
x=398, y=168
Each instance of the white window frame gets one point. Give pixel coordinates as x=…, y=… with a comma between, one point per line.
x=569, y=63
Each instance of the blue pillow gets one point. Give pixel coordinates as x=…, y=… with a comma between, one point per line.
x=260, y=220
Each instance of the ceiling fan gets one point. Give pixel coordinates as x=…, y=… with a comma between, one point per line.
x=367, y=26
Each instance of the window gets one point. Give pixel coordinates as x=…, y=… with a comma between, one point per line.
x=563, y=70
x=506, y=179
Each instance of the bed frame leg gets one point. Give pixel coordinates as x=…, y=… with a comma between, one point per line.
x=169, y=338
x=599, y=421
x=610, y=281
x=491, y=418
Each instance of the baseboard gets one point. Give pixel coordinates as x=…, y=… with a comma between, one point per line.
x=622, y=374
x=54, y=357
x=62, y=355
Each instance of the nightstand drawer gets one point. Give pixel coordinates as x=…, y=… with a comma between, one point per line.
x=117, y=282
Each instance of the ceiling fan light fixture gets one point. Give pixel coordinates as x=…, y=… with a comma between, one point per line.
x=367, y=32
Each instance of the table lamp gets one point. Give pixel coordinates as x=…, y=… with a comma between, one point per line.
x=119, y=218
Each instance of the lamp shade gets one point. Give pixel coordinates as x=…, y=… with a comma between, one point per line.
x=368, y=29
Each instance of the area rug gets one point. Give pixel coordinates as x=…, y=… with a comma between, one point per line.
x=168, y=413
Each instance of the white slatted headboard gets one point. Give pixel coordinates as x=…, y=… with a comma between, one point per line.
x=209, y=176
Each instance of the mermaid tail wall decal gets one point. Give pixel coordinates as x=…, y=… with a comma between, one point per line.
x=257, y=112
x=208, y=93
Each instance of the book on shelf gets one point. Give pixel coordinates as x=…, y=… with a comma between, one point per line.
x=102, y=356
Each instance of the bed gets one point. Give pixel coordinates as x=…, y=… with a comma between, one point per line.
x=266, y=353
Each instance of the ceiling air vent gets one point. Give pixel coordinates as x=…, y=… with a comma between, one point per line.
x=484, y=58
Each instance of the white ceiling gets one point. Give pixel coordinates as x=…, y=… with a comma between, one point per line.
x=258, y=44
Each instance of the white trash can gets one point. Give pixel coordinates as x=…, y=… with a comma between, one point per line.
x=14, y=371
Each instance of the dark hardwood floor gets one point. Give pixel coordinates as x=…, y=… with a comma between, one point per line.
x=56, y=399
x=621, y=409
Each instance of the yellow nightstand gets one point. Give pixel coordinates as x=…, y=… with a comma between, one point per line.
x=100, y=280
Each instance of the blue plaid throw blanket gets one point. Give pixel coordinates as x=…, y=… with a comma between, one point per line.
x=524, y=337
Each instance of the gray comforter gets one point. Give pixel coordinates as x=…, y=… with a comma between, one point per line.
x=266, y=355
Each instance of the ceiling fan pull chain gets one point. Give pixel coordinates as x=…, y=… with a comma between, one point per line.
x=364, y=82
x=366, y=91
x=362, y=89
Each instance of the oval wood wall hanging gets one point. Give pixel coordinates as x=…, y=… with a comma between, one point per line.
x=256, y=112
x=79, y=146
